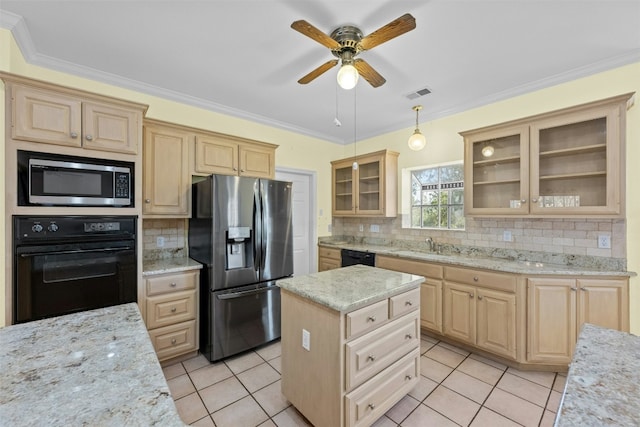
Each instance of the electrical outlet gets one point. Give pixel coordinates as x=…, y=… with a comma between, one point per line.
x=604, y=241
x=329, y=228
x=306, y=340
x=507, y=236
x=361, y=227
x=375, y=228
x=160, y=242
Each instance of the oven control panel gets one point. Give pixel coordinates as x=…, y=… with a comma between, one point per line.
x=42, y=228
x=101, y=226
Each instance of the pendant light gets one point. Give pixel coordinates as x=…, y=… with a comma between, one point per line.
x=417, y=141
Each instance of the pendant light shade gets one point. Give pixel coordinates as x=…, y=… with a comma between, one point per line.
x=417, y=141
x=347, y=76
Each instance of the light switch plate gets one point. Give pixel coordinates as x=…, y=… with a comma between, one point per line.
x=306, y=340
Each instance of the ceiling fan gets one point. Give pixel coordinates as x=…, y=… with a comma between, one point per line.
x=346, y=42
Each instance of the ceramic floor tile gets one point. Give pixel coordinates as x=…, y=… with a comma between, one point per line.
x=259, y=376
x=458, y=350
x=204, y=422
x=452, y=405
x=271, y=398
x=433, y=370
x=445, y=356
x=243, y=362
x=554, y=401
x=210, y=374
x=400, y=410
x=559, y=383
x=191, y=408
x=383, y=421
x=425, y=416
x=480, y=370
x=244, y=412
x=276, y=364
x=488, y=418
x=195, y=363
x=270, y=351
x=468, y=386
x=425, y=346
x=290, y=417
x=548, y=419
x=543, y=378
x=423, y=388
x=223, y=393
x=268, y=423
x=173, y=371
x=524, y=389
x=180, y=386
x=490, y=362
x=514, y=408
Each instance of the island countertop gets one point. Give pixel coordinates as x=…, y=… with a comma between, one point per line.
x=603, y=383
x=349, y=288
x=96, y=367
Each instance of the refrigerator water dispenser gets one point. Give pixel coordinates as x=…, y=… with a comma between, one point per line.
x=238, y=244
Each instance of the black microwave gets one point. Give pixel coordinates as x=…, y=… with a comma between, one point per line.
x=46, y=179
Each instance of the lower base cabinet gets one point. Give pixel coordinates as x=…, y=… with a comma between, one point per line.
x=329, y=258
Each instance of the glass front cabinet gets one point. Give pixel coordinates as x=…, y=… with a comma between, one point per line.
x=563, y=164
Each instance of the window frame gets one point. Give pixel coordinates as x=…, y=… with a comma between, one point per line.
x=439, y=187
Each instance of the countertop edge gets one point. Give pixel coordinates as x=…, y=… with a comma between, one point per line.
x=169, y=265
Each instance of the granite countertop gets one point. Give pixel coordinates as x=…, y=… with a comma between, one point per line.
x=96, y=367
x=603, y=383
x=169, y=265
x=484, y=262
x=349, y=288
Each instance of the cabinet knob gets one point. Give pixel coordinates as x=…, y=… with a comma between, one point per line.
x=235, y=169
x=584, y=289
x=147, y=200
x=242, y=170
x=371, y=358
x=408, y=303
x=173, y=309
x=408, y=377
x=574, y=288
x=408, y=337
x=534, y=200
x=523, y=201
x=371, y=319
x=479, y=296
x=74, y=135
x=173, y=284
x=173, y=341
x=89, y=138
x=471, y=295
x=475, y=278
x=371, y=406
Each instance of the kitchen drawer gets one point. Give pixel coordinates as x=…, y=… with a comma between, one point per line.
x=167, y=309
x=367, y=318
x=174, y=340
x=404, y=303
x=329, y=253
x=501, y=282
x=371, y=353
x=426, y=269
x=375, y=397
x=162, y=284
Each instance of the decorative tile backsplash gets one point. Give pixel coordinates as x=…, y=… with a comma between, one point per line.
x=169, y=233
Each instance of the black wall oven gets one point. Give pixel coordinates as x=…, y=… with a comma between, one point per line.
x=69, y=264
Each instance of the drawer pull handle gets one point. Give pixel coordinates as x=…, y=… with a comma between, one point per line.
x=475, y=278
x=173, y=309
x=173, y=341
x=408, y=337
x=408, y=303
x=371, y=319
x=371, y=406
x=408, y=378
x=173, y=284
x=371, y=357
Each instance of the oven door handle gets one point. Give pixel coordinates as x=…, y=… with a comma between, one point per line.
x=78, y=251
x=246, y=293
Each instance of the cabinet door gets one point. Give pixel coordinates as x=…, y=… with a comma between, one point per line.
x=575, y=163
x=325, y=264
x=43, y=116
x=369, y=187
x=497, y=172
x=257, y=162
x=110, y=128
x=343, y=189
x=460, y=312
x=166, y=176
x=216, y=155
x=431, y=305
x=496, y=322
x=551, y=320
x=604, y=303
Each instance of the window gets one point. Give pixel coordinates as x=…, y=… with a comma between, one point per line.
x=437, y=197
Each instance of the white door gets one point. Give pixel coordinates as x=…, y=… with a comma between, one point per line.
x=304, y=220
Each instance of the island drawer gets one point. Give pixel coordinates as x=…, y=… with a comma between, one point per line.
x=174, y=340
x=162, y=284
x=372, y=399
x=367, y=318
x=168, y=309
x=371, y=353
x=502, y=282
x=329, y=253
x=404, y=303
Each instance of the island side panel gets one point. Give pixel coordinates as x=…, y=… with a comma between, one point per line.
x=311, y=379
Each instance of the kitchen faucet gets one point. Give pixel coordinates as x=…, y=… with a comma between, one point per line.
x=431, y=243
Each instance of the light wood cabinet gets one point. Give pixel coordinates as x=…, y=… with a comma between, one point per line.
x=166, y=178
x=172, y=313
x=48, y=116
x=370, y=190
x=329, y=258
x=557, y=308
x=567, y=163
x=360, y=363
x=223, y=154
x=480, y=309
x=430, y=289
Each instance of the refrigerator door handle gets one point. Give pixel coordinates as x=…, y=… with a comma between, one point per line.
x=246, y=293
x=263, y=229
x=257, y=231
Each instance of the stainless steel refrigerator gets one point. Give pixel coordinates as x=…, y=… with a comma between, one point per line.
x=241, y=232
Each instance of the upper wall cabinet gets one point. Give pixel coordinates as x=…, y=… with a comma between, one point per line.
x=567, y=163
x=222, y=154
x=370, y=190
x=54, y=117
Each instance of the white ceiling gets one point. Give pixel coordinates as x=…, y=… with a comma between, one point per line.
x=241, y=57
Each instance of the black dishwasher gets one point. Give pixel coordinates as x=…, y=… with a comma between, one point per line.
x=350, y=257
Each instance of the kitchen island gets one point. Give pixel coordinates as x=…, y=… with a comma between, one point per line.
x=603, y=383
x=350, y=343
x=95, y=367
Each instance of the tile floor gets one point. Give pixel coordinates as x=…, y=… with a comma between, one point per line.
x=456, y=389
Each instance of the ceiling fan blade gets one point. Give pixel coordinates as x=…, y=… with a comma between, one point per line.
x=368, y=73
x=318, y=71
x=393, y=29
x=309, y=30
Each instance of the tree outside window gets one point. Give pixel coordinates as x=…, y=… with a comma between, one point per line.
x=437, y=197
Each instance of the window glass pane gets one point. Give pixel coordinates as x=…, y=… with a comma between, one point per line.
x=416, y=189
x=429, y=197
x=451, y=173
x=427, y=176
x=457, y=196
x=415, y=216
x=456, y=215
x=430, y=216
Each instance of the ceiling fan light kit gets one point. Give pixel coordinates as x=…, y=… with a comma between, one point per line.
x=347, y=77
x=417, y=141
